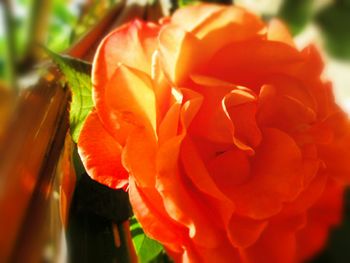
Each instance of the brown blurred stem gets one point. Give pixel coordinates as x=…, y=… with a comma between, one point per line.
x=123, y=243
x=10, y=58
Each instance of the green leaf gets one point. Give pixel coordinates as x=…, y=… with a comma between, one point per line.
x=147, y=249
x=296, y=13
x=78, y=76
x=334, y=23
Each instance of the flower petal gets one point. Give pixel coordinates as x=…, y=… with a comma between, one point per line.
x=101, y=154
x=181, y=199
x=247, y=63
x=244, y=231
x=325, y=213
x=128, y=97
x=194, y=16
x=196, y=171
x=241, y=106
x=132, y=45
x=180, y=53
x=274, y=178
x=155, y=222
x=277, y=243
x=277, y=31
x=138, y=156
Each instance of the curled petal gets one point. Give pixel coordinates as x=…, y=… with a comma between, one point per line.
x=241, y=107
x=274, y=178
x=212, y=122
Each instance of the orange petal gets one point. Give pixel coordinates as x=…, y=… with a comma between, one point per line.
x=101, y=154
x=224, y=253
x=170, y=124
x=232, y=24
x=241, y=105
x=217, y=26
x=162, y=87
x=182, y=201
x=155, y=223
x=274, y=179
x=180, y=53
x=128, y=97
x=132, y=44
x=336, y=154
x=313, y=65
x=237, y=23
x=244, y=231
x=211, y=122
x=192, y=17
x=326, y=213
x=307, y=198
x=196, y=171
x=284, y=110
x=229, y=169
x=277, y=31
x=139, y=156
x=247, y=63
x=277, y=244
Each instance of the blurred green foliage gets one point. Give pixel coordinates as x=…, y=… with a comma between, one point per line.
x=67, y=21
x=296, y=13
x=2, y=62
x=334, y=21
x=61, y=26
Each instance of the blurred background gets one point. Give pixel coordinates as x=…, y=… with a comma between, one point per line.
x=27, y=25
x=55, y=24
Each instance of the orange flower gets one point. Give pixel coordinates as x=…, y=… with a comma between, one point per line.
x=229, y=143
